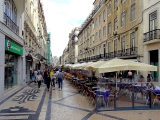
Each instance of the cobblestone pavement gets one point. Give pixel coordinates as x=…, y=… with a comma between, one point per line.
x=31, y=103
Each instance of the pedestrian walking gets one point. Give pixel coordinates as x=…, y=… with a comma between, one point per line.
x=45, y=76
x=60, y=79
x=53, y=79
x=35, y=75
x=57, y=76
x=39, y=78
x=48, y=79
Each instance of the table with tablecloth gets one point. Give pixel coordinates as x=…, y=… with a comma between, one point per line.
x=105, y=93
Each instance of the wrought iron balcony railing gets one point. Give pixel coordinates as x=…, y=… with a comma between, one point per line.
x=99, y=6
x=10, y=23
x=151, y=35
x=120, y=53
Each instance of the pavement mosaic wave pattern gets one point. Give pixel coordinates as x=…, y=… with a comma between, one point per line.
x=31, y=103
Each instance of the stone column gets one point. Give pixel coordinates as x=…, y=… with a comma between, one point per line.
x=2, y=64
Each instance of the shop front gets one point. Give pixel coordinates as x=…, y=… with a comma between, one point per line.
x=29, y=70
x=12, y=53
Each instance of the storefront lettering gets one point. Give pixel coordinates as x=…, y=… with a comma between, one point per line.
x=13, y=47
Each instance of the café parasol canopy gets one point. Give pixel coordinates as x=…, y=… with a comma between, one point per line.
x=120, y=64
x=94, y=66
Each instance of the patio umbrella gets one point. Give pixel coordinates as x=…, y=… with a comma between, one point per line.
x=67, y=65
x=83, y=65
x=94, y=66
x=75, y=65
x=79, y=65
x=120, y=64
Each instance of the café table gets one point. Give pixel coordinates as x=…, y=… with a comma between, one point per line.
x=89, y=84
x=105, y=93
x=95, y=88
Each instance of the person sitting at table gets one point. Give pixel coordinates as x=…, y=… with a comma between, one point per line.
x=151, y=86
x=120, y=75
x=130, y=76
x=149, y=78
x=136, y=77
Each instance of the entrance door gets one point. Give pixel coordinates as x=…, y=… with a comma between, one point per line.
x=154, y=61
x=10, y=71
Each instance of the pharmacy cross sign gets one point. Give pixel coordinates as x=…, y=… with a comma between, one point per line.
x=28, y=95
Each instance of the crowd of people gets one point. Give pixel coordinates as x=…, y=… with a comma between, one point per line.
x=49, y=77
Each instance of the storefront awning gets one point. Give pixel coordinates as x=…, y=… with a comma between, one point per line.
x=41, y=57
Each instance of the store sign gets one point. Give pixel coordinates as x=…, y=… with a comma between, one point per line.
x=13, y=47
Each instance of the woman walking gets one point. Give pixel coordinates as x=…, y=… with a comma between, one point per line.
x=39, y=78
x=48, y=79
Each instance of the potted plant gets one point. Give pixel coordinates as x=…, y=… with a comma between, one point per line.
x=141, y=78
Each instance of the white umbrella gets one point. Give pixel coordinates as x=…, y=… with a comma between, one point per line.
x=94, y=66
x=120, y=64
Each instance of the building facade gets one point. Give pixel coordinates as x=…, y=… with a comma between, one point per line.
x=35, y=35
x=12, y=62
x=115, y=30
x=65, y=56
x=73, y=45
x=151, y=35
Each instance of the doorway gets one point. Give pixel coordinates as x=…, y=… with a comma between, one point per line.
x=10, y=71
x=154, y=61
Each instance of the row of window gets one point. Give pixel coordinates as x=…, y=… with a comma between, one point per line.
x=123, y=15
x=10, y=10
x=123, y=44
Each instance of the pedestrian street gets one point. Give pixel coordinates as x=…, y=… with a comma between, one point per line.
x=30, y=103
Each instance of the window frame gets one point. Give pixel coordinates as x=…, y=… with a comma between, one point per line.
x=104, y=31
x=109, y=28
x=123, y=18
x=109, y=9
x=132, y=38
x=115, y=4
x=104, y=15
x=115, y=41
x=115, y=23
x=133, y=10
x=123, y=43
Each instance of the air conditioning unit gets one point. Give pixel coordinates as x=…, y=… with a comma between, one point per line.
x=115, y=33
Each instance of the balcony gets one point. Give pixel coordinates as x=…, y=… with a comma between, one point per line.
x=151, y=35
x=29, y=22
x=99, y=6
x=132, y=51
x=10, y=24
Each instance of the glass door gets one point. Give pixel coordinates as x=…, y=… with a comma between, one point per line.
x=10, y=71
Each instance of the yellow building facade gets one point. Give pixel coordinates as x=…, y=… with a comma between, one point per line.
x=115, y=30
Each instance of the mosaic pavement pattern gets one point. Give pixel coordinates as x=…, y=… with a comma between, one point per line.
x=31, y=103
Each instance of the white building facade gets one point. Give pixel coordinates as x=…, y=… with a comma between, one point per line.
x=151, y=35
x=12, y=62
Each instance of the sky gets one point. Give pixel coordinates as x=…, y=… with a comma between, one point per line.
x=61, y=17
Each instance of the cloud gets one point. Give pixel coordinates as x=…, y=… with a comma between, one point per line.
x=61, y=17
